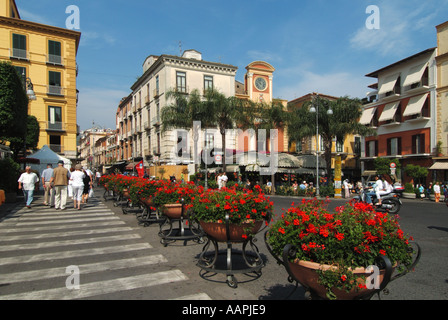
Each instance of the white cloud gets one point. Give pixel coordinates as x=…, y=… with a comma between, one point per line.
x=399, y=21
x=95, y=39
x=257, y=55
x=26, y=15
x=98, y=105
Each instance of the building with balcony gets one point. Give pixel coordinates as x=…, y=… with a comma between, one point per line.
x=402, y=107
x=46, y=55
x=91, y=154
x=138, y=115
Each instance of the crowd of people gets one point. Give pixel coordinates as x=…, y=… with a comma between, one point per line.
x=59, y=184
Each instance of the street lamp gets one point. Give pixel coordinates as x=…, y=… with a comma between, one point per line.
x=316, y=111
x=28, y=87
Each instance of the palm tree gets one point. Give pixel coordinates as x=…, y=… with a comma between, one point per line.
x=269, y=117
x=222, y=112
x=343, y=121
x=182, y=114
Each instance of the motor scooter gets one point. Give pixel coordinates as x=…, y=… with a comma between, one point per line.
x=390, y=202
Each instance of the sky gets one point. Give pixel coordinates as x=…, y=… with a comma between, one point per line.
x=314, y=45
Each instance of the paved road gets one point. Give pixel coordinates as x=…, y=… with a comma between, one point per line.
x=120, y=259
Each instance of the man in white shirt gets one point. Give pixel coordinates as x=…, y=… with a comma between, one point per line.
x=27, y=183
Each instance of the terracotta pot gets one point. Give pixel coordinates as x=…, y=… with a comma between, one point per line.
x=126, y=194
x=218, y=230
x=173, y=211
x=147, y=201
x=305, y=273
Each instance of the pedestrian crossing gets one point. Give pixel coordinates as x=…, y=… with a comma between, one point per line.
x=40, y=248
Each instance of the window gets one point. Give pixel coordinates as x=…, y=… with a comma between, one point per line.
x=372, y=148
x=393, y=146
x=208, y=82
x=339, y=146
x=357, y=148
x=181, y=81
x=418, y=143
x=156, y=91
x=54, y=118
x=299, y=146
x=54, y=52
x=182, y=143
x=54, y=82
x=209, y=141
x=19, y=46
x=55, y=143
x=21, y=71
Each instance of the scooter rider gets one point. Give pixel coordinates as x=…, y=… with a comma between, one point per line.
x=379, y=188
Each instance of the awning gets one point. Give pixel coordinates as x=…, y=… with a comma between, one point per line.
x=415, y=105
x=369, y=173
x=439, y=166
x=389, y=84
x=367, y=115
x=389, y=111
x=415, y=74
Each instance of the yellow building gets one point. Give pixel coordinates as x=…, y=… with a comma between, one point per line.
x=47, y=56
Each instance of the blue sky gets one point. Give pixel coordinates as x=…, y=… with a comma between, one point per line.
x=320, y=46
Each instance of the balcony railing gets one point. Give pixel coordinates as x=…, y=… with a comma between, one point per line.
x=55, y=90
x=19, y=54
x=55, y=59
x=55, y=126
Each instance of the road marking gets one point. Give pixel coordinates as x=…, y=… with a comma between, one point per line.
x=60, y=235
x=101, y=287
x=64, y=227
x=83, y=268
x=67, y=243
x=73, y=253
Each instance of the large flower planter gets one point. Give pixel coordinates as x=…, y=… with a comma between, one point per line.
x=230, y=234
x=306, y=273
x=187, y=229
x=233, y=232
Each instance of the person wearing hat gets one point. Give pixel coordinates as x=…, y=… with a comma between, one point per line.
x=48, y=188
x=60, y=180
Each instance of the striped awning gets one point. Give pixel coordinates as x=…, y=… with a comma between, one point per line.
x=439, y=166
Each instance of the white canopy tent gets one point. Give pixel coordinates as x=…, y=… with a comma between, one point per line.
x=46, y=156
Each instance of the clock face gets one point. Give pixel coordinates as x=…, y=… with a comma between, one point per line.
x=260, y=83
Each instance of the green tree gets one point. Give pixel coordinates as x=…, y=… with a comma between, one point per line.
x=344, y=121
x=224, y=113
x=182, y=113
x=416, y=172
x=268, y=117
x=13, y=105
x=382, y=166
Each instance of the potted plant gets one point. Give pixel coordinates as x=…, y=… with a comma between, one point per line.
x=243, y=212
x=409, y=191
x=332, y=250
x=171, y=196
x=143, y=191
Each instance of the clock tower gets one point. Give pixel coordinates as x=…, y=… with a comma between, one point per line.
x=258, y=81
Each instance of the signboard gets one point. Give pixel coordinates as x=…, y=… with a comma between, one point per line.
x=218, y=159
x=338, y=177
x=393, y=165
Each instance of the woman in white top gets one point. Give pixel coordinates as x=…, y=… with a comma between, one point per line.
x=76, y=178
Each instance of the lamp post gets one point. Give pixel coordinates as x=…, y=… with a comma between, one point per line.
x=315, y=110
x=28, y=87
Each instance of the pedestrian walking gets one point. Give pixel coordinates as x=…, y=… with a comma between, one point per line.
x=60, y=181
x=77, y=178
x=48, y=187
x=87, y=185
x=421, y=190
x=27, y=182
x=346, y=189
x=436, y=189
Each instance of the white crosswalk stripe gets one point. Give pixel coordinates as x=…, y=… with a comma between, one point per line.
x=37, y=246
